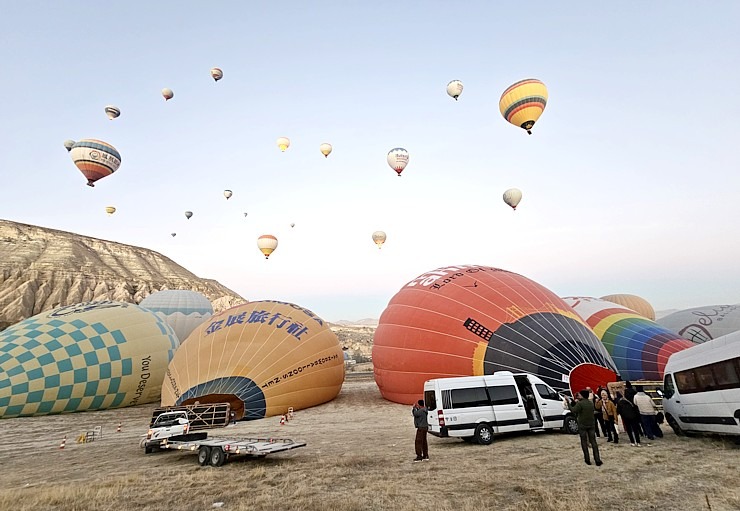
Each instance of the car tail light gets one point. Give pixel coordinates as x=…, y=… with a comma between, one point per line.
x=186, y=428
x=227, y=447
x=441, y=417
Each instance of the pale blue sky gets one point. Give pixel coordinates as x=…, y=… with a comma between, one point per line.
x=630, y=179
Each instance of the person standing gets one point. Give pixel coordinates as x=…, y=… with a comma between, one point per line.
x=630, y=419
x=583, y=410
x=598, y=415
x=609, y=411
x=647, y=414
x=420, y=413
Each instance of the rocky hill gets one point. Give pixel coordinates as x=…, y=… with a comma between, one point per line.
x=41, y=269
x=357, y=341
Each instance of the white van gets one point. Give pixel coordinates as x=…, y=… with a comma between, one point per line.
x=478, y=407
x=701, y=387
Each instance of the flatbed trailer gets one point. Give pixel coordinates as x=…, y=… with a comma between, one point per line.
x=217, y=451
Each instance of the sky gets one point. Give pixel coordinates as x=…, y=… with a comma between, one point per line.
x=630, y=178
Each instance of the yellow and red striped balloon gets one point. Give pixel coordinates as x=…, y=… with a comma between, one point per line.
x=523, y=102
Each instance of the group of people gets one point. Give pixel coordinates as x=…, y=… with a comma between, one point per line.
x=598, y=409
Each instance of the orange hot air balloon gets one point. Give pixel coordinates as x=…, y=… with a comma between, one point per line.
x=261, y=357
x=267, y=243
x=475, y=320
x=95, y=159
x=634, y=302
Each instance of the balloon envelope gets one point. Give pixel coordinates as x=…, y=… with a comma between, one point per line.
x=95, y=159
x=633, y=302
x=262, y=357
x=183, y=310
x=639, y=347
x=69, y=144
x=512, y=197
x=173, y=234
x=167, y=94
x=228, y=194
x=283, y=143
x=110, y=210
x=188, y=214
x=217, y=74
x=523, y=102
x=398, y=158
x=325, y=149
x=267, y=243
x=471, y=320
x=455, y=88
x=112, y=112
x=700, y=324
x=87, y=356
x=379, y=238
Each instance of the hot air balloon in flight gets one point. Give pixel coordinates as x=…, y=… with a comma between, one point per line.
x=86, y=356
x=217, y=74
x=267, y=243
x=283, y=143
x=523, y=103
x=228, y=194
x=471, y=320
x=398, y=158
x=639, y=347
x=173, y=234
x=455, y=88
x=110, y=210
x=292, y=224
x=633, y=302
x=261, y=357
x=325, y=149
x=167, y=94
x=69, y=144
x=188, y=214
x=182, y=309
x=379, y=238
x=95, y=159
x=512, y=196
x=112, y=112
x=245, y=213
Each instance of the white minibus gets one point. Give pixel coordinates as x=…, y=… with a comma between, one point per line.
x=475, y=408
x=701, y=387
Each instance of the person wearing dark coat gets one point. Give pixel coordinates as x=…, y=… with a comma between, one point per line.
x=629, y=392
x=630, y=418
x=583, y=410
x=420, y=412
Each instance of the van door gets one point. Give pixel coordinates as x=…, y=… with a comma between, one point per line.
x=551, y=406
x=529, y=399
x=508, y=408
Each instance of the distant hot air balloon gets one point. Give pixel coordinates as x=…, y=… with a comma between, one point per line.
x=217, y=74
x=292, y=225
x=523, y=103
x=398, y=158
x=283, y=143
x=325, y=149
x=168, y=94
x=267, y=243
x=379, y=238
x=228, y=194
x=112, y=112
x=69, y=144
x=512, y=196
x=455, y=88
x=173, y=234
x=245, y=213
x=188, y=214
x=95, y=159
x=110, y=210
x=261, y=357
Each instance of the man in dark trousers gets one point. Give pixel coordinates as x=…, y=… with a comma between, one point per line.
x=583, y=410
x=420, y=413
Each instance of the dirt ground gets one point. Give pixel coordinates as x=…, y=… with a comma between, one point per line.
x=358, y=456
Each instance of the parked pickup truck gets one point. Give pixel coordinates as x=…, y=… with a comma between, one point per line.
x=168, y=427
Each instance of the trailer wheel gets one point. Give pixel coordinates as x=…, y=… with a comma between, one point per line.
x=204, y=455
x=218, y=457
x=484, y=434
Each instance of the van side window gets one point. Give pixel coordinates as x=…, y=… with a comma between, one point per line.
x=503, y=395
x=726, y=374
x=718, y=376
x=668, y=389
x=546, y=392
x=429, y=400
x=468, y=398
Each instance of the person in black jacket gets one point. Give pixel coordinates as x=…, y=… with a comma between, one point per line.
x=630, y=418
x=419, y=411
x=584, y=413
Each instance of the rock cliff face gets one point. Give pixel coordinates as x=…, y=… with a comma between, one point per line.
x=41, y=269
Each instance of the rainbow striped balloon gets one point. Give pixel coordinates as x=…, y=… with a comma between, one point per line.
x=523, y=102
x=95, y=159
x=639, y=347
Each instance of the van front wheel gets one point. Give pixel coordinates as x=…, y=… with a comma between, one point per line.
x=570, y=425
x=484, y=434
x=674, y=426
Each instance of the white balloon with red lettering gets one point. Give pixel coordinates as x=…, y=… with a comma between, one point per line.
x=398, y=158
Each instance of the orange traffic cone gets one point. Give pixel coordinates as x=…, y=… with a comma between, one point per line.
x=64, y=442
x=282, y=420
x=119, y=428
